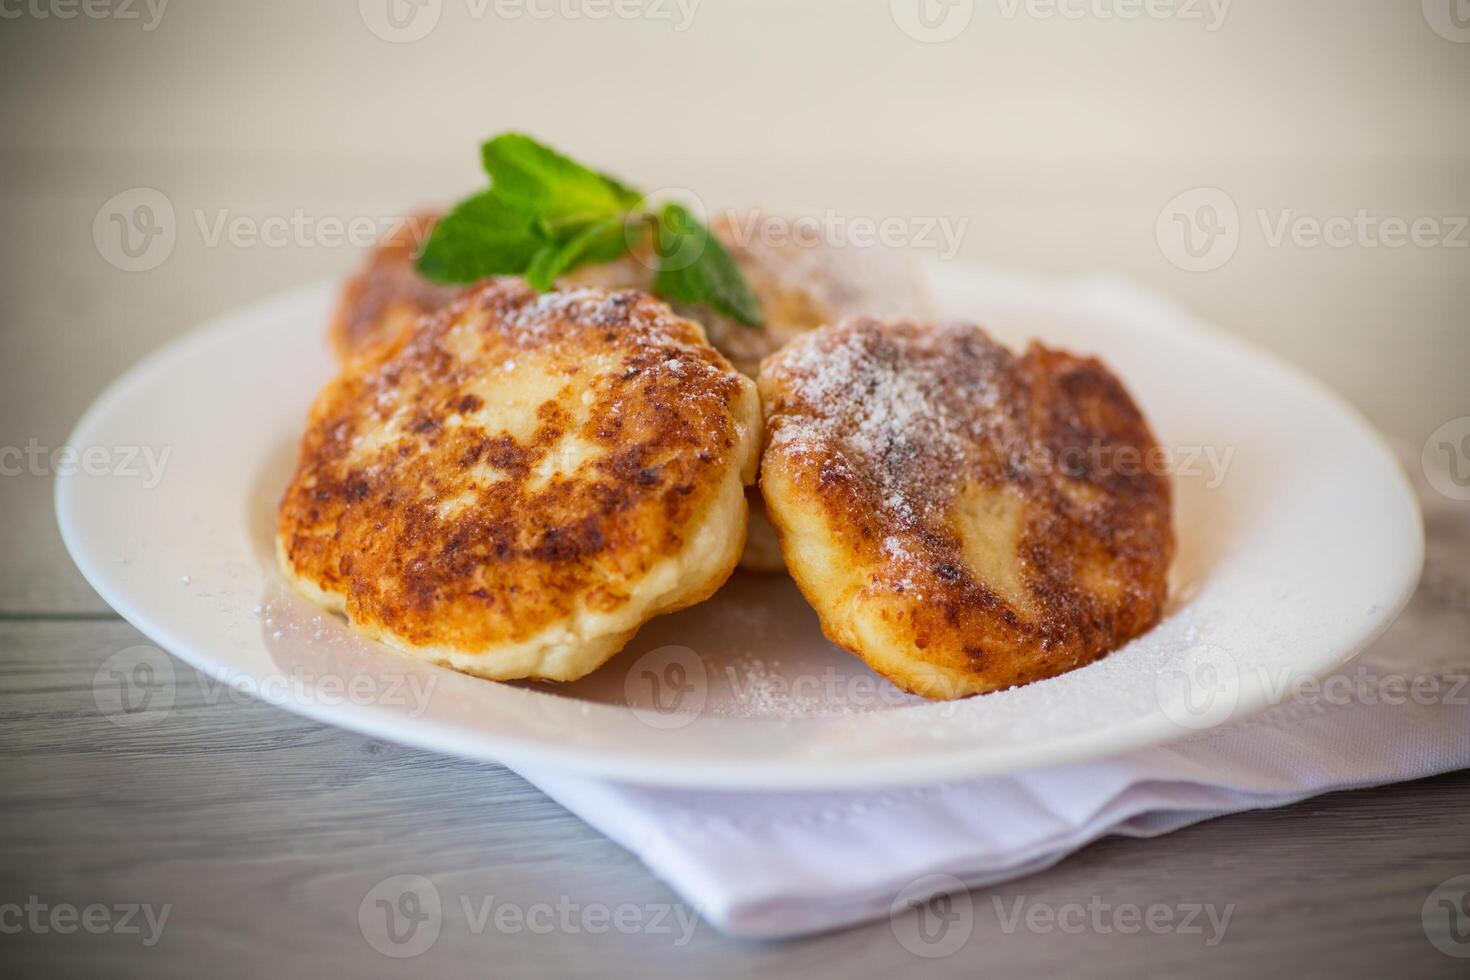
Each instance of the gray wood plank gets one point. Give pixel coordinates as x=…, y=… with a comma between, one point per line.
x=265, y=832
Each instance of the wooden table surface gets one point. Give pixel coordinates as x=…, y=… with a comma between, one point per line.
x=263, y=832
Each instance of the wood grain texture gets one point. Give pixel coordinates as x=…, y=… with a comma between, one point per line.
x=265, y=832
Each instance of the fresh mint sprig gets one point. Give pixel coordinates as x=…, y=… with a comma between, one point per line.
x=545, y=214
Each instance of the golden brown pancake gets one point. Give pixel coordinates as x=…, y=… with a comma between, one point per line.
x=962, y=518
x=517, y=483
x=800, y=286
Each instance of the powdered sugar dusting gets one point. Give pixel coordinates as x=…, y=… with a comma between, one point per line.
x=585, y=305
x=893, y=404
x=543, y=317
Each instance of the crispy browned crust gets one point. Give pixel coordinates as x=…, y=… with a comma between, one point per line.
x=878, y=433
x=436, y=530
x=387, y=293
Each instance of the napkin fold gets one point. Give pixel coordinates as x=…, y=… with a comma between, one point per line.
x=773, y=865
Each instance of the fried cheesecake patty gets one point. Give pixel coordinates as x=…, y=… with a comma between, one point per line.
x=964, y=519
x=802, y=283
x=517, y=483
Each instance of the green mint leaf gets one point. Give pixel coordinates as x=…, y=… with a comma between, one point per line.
x=545, y=214
x=621, y=236
x=695, y=268
x=588, y=244
x=541, y=273
x=533, y=177
x=482, y=236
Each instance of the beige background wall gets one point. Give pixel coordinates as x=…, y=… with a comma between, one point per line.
x=1059, y=139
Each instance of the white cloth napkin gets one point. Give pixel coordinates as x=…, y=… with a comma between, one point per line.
x=784, y=864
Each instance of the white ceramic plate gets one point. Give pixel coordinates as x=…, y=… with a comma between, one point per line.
x=1299, y=542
